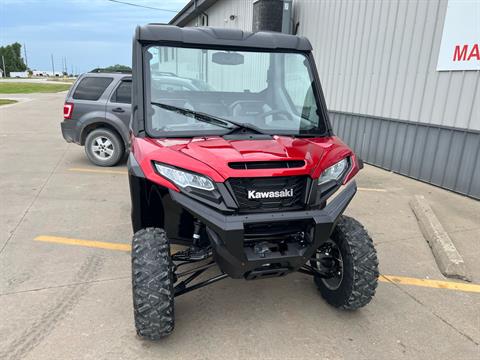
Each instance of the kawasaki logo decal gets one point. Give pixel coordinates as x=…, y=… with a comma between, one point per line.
x=253, y=194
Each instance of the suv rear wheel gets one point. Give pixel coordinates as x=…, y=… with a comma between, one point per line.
x=104, y=147
x=354, y=264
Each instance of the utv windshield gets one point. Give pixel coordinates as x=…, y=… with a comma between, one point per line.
x=199, y=92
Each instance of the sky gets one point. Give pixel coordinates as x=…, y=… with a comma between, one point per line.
x=89, y=33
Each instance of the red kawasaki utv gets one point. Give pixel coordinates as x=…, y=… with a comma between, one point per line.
x=243, y=169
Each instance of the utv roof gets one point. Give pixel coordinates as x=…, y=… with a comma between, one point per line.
x=220, y=37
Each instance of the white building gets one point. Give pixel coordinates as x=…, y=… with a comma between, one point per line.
x=40, y=73
x=401, y=78
x=19, y=74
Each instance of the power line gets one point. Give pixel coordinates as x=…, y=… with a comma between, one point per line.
x=142, y=6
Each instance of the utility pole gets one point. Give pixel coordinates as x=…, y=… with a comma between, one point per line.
x=53, y=66
x=4, y=70
x=25, y=54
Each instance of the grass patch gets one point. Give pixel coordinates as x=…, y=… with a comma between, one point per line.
x=7, y=101
x=28, y=88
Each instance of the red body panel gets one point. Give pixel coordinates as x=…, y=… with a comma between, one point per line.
x=210, y=156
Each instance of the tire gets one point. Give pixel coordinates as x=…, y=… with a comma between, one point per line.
x=359, y=277
x=104, y=147
x=152, y=284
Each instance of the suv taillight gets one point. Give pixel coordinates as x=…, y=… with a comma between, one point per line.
x=67, y=110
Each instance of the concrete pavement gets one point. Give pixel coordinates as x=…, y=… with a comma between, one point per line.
x=59, y=301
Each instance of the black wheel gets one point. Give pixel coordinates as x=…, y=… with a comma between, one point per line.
x=152, y=284
x=104, y=147
x=353, y=266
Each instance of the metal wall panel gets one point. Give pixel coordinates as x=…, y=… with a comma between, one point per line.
x=444, y=156
x=379, y=58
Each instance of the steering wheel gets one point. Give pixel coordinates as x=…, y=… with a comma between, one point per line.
x=283, y=113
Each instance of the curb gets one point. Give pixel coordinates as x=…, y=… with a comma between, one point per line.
x=448, y=259
x=19, y=100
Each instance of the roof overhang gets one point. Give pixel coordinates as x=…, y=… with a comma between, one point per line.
x=190, y=11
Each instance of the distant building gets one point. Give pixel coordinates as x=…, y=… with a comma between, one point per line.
x=18, y=74
x=39, y=73
x=44, y=73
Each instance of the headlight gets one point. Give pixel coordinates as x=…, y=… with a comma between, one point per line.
x=334, y=172
x=184, y=178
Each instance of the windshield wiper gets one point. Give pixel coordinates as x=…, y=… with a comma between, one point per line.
x=210, y=119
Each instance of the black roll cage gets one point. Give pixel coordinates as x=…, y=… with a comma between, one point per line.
x=140, y=85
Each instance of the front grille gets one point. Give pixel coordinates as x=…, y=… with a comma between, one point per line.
x=241, y=186
x=253, y=165
x=273, y=231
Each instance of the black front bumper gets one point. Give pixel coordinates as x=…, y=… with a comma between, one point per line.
x=226, y=234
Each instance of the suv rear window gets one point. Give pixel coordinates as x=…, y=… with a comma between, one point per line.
x=91, y=88
x=123, y=94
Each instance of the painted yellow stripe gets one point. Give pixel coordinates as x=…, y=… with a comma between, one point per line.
x=392, y=279
x=371, y=189
x=437, y=284
x=99, y=171
x=86, y=243
x=92, y=243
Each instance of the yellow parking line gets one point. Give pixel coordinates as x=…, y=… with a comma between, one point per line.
x=87, y=243
x=100, y=171
x=438, y=284
x=371, y=189
x=392, y=279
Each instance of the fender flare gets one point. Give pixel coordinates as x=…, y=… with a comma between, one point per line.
x=117, y=125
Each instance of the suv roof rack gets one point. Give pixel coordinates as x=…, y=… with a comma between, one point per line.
x=101, y=70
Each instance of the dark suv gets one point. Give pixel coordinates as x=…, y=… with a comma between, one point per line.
x=97, y=111
x=97, y=115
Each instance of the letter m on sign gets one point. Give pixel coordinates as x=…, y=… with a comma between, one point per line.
x=460, y=55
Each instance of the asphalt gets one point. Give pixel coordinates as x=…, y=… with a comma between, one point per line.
x=59, y=301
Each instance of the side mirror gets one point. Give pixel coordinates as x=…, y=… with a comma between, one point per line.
x=227, y=58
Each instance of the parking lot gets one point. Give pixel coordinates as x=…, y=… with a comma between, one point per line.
x=65, y=270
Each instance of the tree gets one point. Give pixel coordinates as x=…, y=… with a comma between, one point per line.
x=114, y=68
x=13, y=58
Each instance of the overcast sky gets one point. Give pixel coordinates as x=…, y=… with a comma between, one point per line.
x=89, y=33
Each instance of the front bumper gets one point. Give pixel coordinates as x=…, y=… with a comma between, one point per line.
x=226, y=234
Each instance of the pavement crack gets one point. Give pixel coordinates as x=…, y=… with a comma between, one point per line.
x=407, y=238
x=31, y=337
x=467, y=229
x=64, y=285
x=27, y=210
x=446, y=322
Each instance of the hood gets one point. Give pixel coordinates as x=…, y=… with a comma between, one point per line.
x=218, y=152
